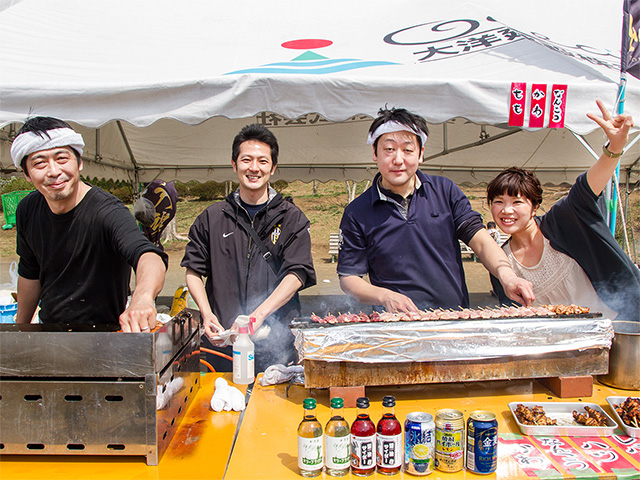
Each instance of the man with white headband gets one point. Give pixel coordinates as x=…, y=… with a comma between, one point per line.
x=403, y=231
x=77, y=244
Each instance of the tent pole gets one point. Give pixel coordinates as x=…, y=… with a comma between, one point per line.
x=98, y=155
x=627, y=194
x=585, y=144
x=614, y=180
x=614, y=189
x=136, y=168
x=445, y=139
x=492, y=138
x=622, y=217
x=632, y=143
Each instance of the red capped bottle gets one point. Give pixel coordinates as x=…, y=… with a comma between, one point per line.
x=363, y=441
x=389, y=439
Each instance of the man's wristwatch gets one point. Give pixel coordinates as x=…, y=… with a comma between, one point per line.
x=610, y=154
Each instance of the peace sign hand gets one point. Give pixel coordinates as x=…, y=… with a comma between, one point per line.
x=616, y=128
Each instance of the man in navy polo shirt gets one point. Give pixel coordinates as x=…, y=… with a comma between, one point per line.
x=403, y=231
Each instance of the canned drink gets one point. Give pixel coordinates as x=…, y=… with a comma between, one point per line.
x=449, y=440
x=482, y=442
x=419, y=444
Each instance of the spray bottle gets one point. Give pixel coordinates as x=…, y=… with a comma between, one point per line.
x=243, y=352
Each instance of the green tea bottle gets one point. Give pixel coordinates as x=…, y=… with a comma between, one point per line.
x=337, y=441
x=310, y=458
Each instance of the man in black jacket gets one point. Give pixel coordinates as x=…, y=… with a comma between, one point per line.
x=254, y=249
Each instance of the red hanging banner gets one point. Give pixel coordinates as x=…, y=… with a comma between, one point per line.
x=558, y=106
x=538, y=105
x=516, y=104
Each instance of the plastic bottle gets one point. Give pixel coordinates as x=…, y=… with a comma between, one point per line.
x=337, y=441
x=310, y=458
x=243, y=353
x=363, y=441
x=389, y=439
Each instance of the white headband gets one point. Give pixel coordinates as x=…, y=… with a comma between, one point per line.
x=390, y=127
x=29, y=142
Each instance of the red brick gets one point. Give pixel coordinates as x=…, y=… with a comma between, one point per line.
x=569, y=387
x=348, y=394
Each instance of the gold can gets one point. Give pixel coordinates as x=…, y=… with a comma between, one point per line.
x=449, y=440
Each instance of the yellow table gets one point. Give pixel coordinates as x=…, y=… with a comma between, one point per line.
x=199, y=450
x=266, y=447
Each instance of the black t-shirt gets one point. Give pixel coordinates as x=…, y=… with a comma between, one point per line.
x=252, y=209
x=82, y=258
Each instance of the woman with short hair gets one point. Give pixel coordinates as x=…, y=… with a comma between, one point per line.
x=569, y=253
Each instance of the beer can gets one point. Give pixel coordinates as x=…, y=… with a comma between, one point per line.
x=482, y=442
x=449, y=440
x=419, y=444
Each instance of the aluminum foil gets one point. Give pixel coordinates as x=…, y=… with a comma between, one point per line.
x=451, y=340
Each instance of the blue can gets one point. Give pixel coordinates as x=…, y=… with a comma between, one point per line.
x=419, y=444
x=482, y=442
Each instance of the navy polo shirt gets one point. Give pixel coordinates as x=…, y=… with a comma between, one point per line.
x=412, y=251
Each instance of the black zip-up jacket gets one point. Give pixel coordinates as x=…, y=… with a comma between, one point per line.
x=238, y=277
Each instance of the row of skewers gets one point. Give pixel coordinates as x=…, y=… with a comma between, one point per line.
x=451, y=314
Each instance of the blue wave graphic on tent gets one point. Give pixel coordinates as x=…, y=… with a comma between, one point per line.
x=312, y=63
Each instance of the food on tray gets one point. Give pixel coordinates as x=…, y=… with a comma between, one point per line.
x=451, y=314
x=593, y=418
x=566, y=309
x=629, y=411
x=533, y=416
x=560, y=421
x=537, y=416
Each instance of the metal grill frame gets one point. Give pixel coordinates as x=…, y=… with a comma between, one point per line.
x=96, y=393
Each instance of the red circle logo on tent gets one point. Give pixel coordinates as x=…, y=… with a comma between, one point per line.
x=307, y=44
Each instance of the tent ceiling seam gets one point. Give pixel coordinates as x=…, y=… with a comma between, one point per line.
x=536, y=150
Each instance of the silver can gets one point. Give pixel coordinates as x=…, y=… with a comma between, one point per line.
x=419, y=444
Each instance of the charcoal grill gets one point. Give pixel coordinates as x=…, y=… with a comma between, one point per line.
x=441, y=351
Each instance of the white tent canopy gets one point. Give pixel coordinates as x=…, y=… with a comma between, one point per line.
x=159, y=88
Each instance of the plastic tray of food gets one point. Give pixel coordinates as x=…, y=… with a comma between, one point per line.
x=629, y=429
x=566, y=425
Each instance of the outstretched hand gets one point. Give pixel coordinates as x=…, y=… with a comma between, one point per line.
x=616, y=128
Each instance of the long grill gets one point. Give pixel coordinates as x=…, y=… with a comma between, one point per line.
x=440, y=351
